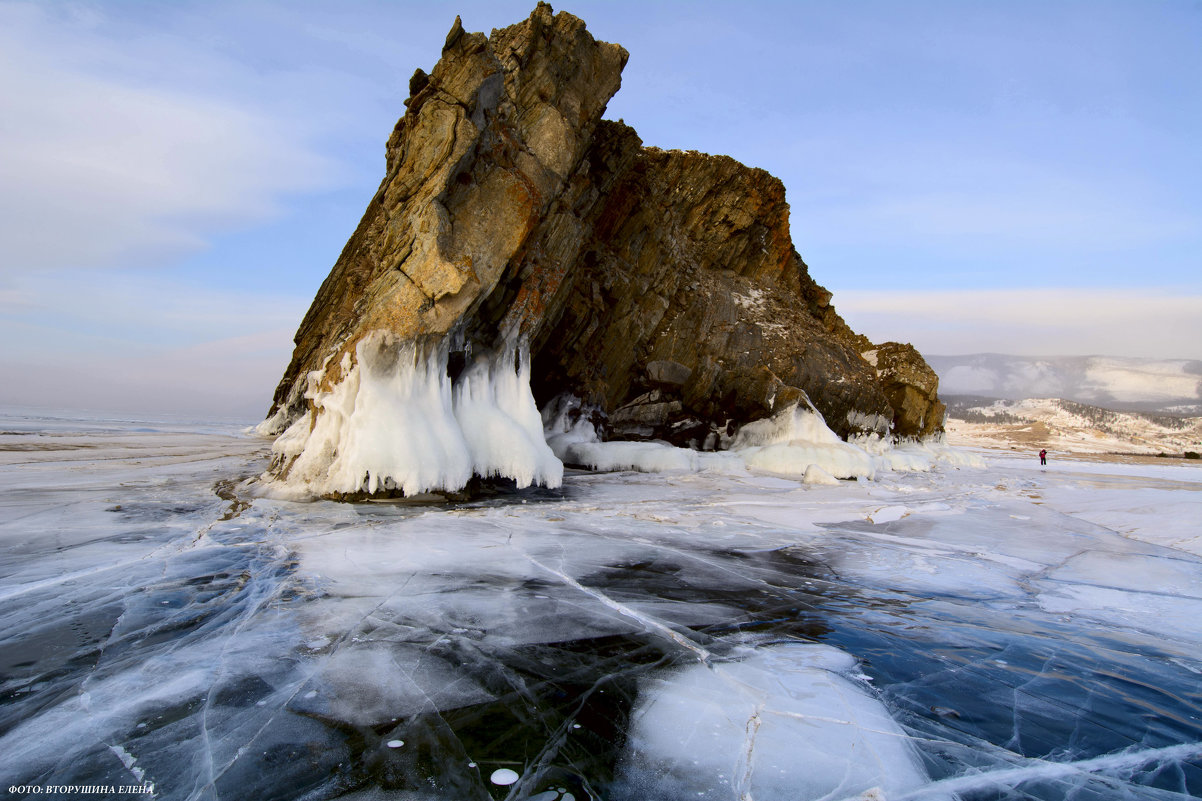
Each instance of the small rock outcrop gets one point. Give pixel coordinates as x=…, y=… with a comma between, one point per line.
x=911, y=387
x=520, y=247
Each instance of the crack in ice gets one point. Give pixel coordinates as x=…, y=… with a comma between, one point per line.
x=651, y=623
x=1040, y=770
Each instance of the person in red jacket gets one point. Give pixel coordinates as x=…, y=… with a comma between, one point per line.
x=1043, y=457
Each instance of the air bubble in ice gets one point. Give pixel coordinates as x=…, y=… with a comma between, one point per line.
x=503, y=777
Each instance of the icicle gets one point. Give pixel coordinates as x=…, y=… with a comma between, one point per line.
x=397, y=420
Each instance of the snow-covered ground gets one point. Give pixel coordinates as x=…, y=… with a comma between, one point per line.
x=1069, y=427
x=997, y=632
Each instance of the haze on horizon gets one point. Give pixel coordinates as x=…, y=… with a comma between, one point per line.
x=179, y=178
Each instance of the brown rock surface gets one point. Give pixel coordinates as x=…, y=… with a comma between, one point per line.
x=474, y=166
x=661, y=286
x=912, y=388
x=687, y=259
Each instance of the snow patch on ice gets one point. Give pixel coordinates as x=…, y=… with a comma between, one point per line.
x=645, y=457
x=129, y=761
x=786, y=723
x=1149, y=592
x=916, y=456
x=816, y=475
x=888, y=514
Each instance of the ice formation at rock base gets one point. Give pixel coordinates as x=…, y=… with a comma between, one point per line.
x=397, y=422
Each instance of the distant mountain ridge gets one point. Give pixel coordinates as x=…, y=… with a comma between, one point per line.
x=1065, y=426
x=1167, y=386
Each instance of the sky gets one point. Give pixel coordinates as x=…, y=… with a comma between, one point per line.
x=176, y=179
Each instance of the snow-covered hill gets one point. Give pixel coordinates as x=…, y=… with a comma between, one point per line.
x=1155, y=385
x=1066, y=426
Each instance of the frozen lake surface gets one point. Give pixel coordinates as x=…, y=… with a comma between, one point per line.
x=1003, y=633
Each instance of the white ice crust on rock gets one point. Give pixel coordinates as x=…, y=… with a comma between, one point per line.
x=796, y=443
x=273, y=426
x=789, y=442
x=574, y=440
x=786, y=724
x=396, y=421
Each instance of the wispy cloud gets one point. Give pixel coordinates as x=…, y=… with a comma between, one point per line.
x=104, y=165
x=1033, y=322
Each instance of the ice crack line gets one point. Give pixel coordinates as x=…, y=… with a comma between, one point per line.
x=747, y=758
x=622, y=609
x=1039, y=770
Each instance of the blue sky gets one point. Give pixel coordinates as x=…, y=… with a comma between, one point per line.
x=178, y=178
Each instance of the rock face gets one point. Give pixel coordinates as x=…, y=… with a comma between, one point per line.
x=688, y=307
x=514, y=226
x=912, y=388
x=477, y=163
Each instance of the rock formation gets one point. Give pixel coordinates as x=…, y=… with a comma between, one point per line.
x=518, y=237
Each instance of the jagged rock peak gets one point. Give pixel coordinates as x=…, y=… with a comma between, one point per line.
x=506, y=118
x=516, y=233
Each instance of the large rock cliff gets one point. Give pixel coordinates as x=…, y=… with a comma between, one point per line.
x=517, y=234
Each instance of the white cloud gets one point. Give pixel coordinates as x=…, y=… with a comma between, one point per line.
x=1033, y=322
x=104, y=167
